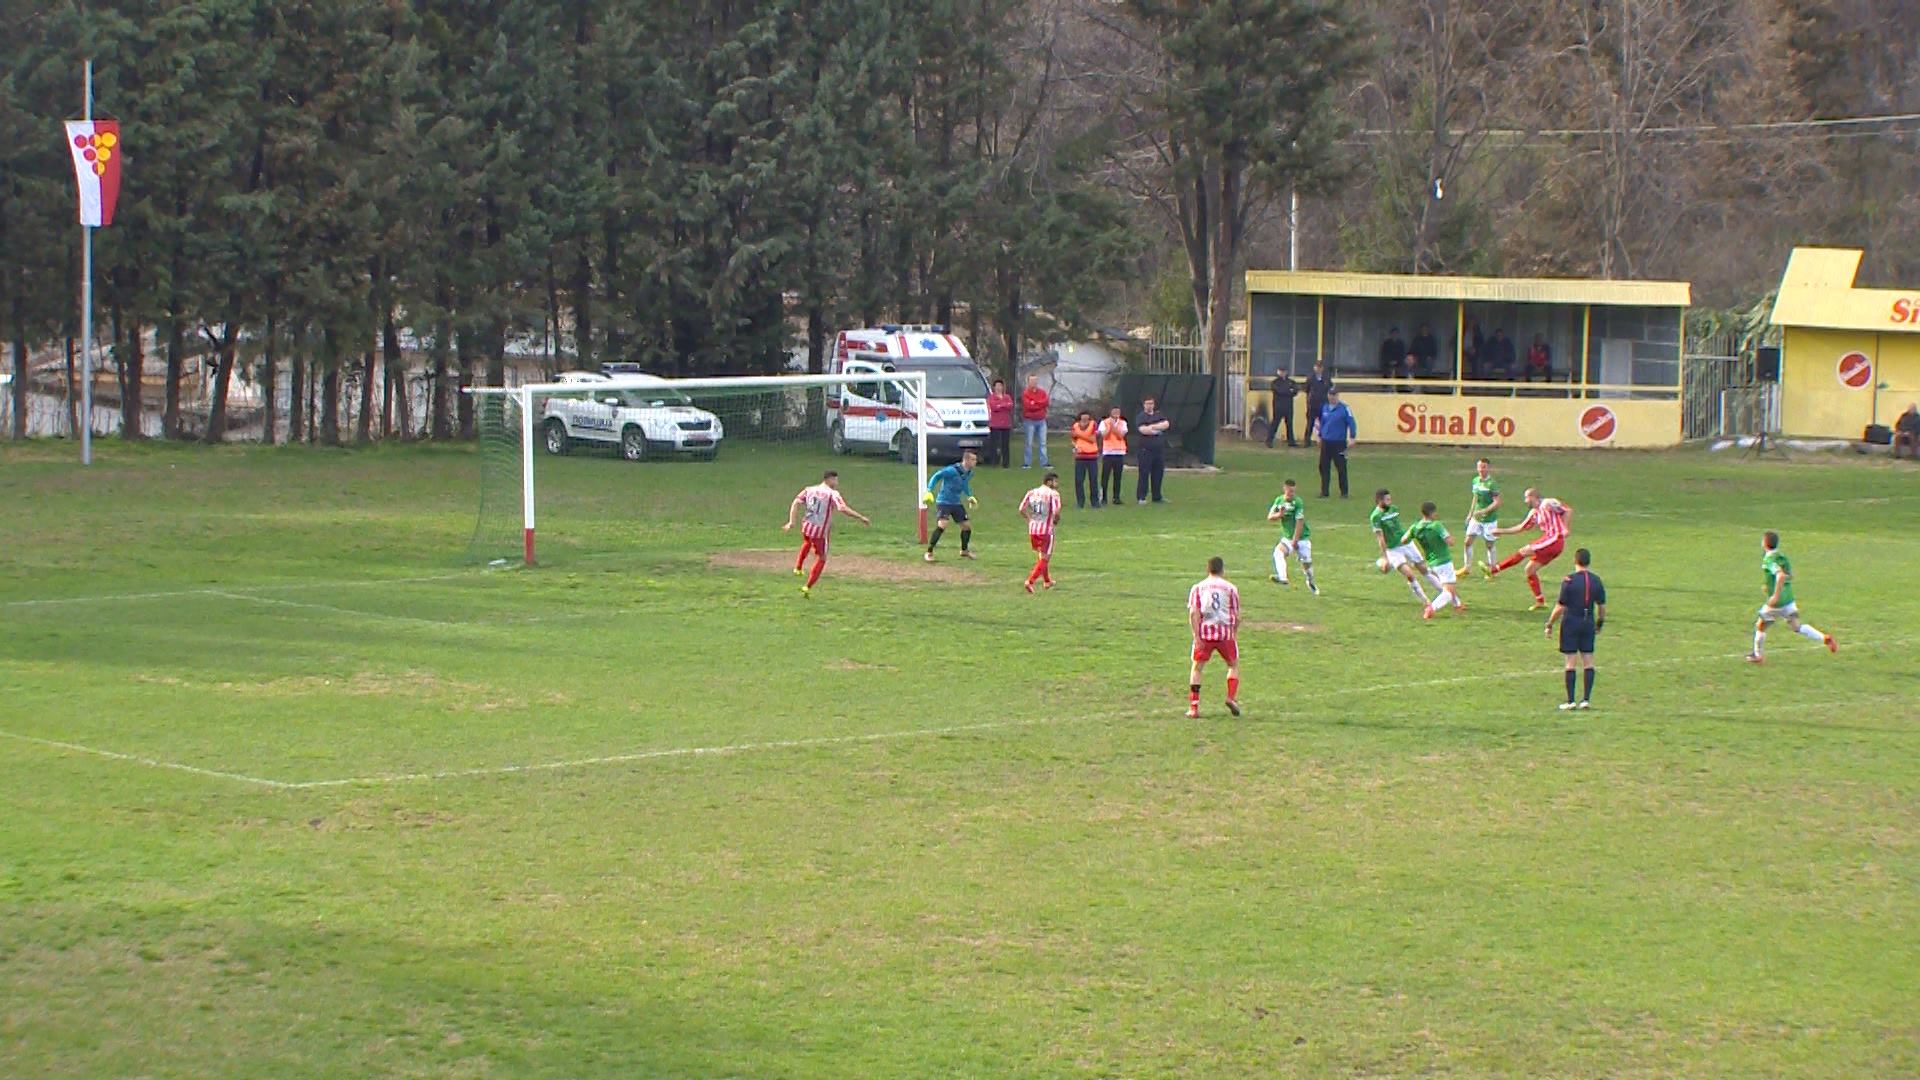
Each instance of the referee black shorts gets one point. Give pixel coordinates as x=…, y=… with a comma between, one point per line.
x=1577, y=636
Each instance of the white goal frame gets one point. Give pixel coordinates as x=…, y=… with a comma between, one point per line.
x=912, y=383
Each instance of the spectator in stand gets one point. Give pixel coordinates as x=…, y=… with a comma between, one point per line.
x=1393, y=356
x=1539, y=360
x=1000, y=425
x=1337, y=431
x=1113, y=458
x=1473, y=349
x=1424, y=354
x=1319, y=385
x=1149, y=451
x=1499, y=355
x=1033, y=420
x=1906, y=433
x=1284, y=391
x=1086, y=459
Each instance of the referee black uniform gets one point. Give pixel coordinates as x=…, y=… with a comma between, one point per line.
x=1582, y=608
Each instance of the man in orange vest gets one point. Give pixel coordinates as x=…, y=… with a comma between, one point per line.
x=1113, y=457
x=1086, y=459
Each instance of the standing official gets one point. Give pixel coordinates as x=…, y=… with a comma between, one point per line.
x=1319, y=385
x=1086, y=459
x=1284, y=391
x=1337, y=431
x=1581, y=612
x=1113, y=458
x=1149, y=451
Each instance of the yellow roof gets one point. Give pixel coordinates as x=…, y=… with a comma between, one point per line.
x=1817, y=290
x=1480, y=289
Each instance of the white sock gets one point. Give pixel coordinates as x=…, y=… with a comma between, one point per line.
x=1809, y=632
x=1759, y=641
x=1492, y=559
x=1442, y=599
x=1307, y=569
x=1414, y=584
x=1437, y=587
x=1279, y=563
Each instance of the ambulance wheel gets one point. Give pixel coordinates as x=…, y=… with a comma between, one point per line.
x=837, y=439
x=904, y=446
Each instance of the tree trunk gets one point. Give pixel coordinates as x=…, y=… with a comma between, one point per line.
x=583, y=315
x=297, y=387
x=133, y=384
x=463, y=401
x=176, y=363
x=1225, y=250
x=816, y=339
x=397, y=374
x=229, y=347
x=330, y=390
x=441, y=427
x=312, y=391
x=19, y=366
x=73, y=394
x=269, y=384
x=363, y=427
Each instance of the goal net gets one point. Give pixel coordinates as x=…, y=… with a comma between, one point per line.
x=591, y=464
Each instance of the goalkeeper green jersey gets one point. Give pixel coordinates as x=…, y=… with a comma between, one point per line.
x=1292, y=512
x=1484, y=492
x=1773, y=565
x=1431, y=538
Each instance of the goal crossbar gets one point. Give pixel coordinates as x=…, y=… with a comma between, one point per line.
x=914, y=383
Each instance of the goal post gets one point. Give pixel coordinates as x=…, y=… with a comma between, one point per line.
x=651, y=421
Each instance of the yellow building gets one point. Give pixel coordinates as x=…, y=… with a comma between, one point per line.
x=1614, y=353
x=1850, y=357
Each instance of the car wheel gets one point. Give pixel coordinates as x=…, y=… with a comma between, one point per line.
x=633, y=444
x=837, y=439
x=707, y=455
x=556, y=437
x=906, y=447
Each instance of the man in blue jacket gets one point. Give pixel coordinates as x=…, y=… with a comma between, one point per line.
x=950, y=491
x=1337, y=430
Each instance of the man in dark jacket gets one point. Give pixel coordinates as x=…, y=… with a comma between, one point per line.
x=1319, y=384
x=1499, y=355
x=1149, y=451
x=1425, y=351
x=1284, y=391
x=1393, y=355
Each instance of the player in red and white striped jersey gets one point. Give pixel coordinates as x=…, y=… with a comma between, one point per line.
x=1041, y=508
x=1213, y=614
x=1554, y=519
x=819, y=501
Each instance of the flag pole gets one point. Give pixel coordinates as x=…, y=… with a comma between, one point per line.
x=86, y=314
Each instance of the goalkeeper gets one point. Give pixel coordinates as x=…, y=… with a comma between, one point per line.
x=951, y=492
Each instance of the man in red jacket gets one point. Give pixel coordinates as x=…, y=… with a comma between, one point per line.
x=1000, y=425
x=1033, y=420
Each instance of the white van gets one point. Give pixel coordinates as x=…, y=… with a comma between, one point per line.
x=653, y=418
x=880, y=417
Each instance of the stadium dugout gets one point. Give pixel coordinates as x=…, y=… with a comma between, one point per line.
x=1613, y=351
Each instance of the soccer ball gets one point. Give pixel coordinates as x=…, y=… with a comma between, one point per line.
x=1381, y=562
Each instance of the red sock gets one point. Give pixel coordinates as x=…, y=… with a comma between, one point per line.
x=1193, y=696
x=815, y=576
x=1046, y=570
x=1509, y=562
x=1033, y=575
x=805, y=546
x=1533, y=582
x=1233, y=688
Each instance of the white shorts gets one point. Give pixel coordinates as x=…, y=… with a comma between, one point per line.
x=1442, y=573
x=1302, y=550
x=1775, y=614
x=1400, y=556
x=1481, y=529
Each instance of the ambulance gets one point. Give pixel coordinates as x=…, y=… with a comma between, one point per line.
x=885, y=417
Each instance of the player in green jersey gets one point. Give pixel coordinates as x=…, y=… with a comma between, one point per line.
x=1779, y=604
x=1395, y=552
x=1483, y=513
x=1432, y=539
x=1295, y=538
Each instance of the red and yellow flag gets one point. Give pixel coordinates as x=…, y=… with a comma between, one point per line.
x=96, y=166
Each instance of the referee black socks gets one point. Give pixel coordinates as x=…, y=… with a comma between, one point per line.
x=1588, y=696
x=1572, y=676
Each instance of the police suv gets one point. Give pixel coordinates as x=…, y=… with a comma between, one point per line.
x=647, y=419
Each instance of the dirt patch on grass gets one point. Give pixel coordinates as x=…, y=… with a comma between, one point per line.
x=1283, y=627
x=863, y=567
x=856, y=665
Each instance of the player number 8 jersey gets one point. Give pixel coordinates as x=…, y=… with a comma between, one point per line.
x=1218, y=603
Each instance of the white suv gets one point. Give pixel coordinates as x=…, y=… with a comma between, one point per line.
x=642, y=420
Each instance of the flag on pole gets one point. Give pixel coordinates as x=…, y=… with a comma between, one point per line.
x=96, y=166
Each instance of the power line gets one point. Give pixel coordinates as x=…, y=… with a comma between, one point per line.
x=1812, y=126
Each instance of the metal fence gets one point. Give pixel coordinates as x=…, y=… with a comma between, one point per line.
x=1184, y=352
x=1723, y=394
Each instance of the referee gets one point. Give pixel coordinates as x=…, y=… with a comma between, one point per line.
x=1581, y=612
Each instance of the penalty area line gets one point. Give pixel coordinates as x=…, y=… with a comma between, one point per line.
x=152, y=763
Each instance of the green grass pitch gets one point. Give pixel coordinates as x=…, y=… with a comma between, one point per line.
x=290, y=787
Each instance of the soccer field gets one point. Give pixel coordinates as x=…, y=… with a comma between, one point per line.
x=289, y=786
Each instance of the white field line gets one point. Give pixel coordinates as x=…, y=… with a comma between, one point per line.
x=152, y=763
x=228, y=590
x=329, y=608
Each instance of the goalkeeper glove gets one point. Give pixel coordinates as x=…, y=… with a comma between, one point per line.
x=972, y=502
x=926, y=497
